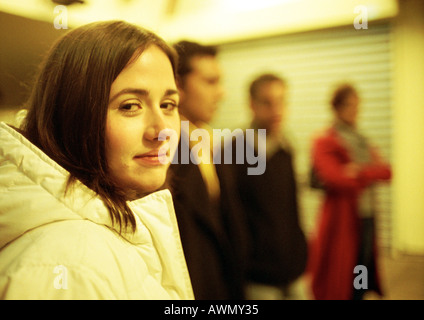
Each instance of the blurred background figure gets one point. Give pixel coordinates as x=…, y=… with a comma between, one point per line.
x=269, y=200
x=348, y=167
x=207, y=213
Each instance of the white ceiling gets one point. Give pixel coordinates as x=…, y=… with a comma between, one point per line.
x=209, y=20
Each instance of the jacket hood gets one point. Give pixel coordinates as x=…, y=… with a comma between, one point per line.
x=32, y=193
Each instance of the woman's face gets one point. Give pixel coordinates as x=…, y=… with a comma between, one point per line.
x=143, y=101
x=348, y=112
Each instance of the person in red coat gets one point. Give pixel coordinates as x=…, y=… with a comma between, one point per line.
x=342, y=258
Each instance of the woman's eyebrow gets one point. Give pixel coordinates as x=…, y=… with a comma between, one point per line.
x=141, y=92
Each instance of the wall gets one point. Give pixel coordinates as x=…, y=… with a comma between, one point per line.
x=24, y=43
x=408, y=129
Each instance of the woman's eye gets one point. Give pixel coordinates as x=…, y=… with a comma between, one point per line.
x=130, y=107
x=169, y=106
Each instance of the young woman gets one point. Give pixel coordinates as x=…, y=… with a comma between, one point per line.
x=348, y=168
x=81, y=216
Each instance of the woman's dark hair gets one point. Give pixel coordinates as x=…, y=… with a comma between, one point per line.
x=68, y=105
x=340, y=94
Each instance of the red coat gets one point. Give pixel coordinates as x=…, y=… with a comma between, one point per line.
x=334, y=247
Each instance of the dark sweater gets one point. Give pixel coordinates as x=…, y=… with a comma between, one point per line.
x=279, y=248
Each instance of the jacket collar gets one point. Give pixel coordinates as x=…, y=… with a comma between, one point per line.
x=34, y=194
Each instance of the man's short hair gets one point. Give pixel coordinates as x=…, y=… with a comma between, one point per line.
x=263, y=79
x=187, y=50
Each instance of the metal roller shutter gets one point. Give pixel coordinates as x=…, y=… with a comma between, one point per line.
x=313, y=62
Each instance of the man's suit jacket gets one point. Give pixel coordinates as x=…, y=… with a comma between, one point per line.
x=214, y=235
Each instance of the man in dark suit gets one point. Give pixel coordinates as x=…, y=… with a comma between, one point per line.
x=279, y=250
x=211, y=228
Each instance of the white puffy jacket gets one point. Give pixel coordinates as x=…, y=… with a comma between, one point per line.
x=54, y=246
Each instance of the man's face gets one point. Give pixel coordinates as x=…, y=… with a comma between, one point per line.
x=201, y=90
x=269, y=106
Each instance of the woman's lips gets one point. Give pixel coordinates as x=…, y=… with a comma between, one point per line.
x=154, y=157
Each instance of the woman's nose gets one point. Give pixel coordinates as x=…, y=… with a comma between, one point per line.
x=155, y=124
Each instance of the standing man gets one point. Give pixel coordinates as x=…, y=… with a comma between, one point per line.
x=279, y=249
x=207, y=211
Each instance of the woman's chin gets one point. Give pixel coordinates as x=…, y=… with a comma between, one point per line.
x=150, y=188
